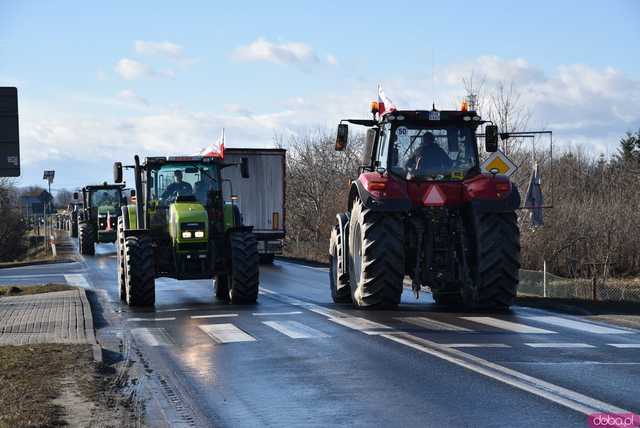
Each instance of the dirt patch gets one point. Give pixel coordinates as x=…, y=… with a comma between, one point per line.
x=23, y=290
x=49, y=385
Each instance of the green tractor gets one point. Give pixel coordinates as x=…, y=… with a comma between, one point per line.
x=180, y=227
x=97, y=217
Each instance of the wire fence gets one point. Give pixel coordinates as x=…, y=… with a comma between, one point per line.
x=533, y=283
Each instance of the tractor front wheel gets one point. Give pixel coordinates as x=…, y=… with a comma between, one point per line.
x=85, y=240
x=139, y=271
x=376, y=257
x=339, y=283
x=243, y=277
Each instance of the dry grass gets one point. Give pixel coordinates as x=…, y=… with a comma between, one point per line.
x=31, y=377
x=13, y=290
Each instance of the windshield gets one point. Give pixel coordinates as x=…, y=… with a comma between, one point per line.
x=447, y=153
x=106, y=198
x=172, y=180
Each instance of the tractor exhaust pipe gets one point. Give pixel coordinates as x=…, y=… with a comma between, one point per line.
x=139, y=195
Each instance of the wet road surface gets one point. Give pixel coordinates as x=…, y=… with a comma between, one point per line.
x=297, y=359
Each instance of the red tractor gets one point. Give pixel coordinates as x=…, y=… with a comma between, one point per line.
x=422, y=207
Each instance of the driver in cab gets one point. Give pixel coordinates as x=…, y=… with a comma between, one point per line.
x=428, y=157
x=178, y=187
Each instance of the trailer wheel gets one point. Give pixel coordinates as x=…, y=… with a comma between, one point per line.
x=243, y=277
x=495, y=261
x=139, y=271
x=120, y=260
x=340, y=290
x=376, y=257
x=85, y=241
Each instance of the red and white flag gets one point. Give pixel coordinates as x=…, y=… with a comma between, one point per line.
x=385, y=105
x=216, y=149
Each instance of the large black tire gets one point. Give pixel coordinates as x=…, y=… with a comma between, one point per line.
x=243, y=277
x=447, y=299
x=122, y=286
x=495, y=261
x=85, y=239
x=266, y=259
x=139, y=271
x=376, y=257
x=340, y=289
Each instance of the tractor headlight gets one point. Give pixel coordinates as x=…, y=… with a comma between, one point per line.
x=199, y=234
x=186, y=234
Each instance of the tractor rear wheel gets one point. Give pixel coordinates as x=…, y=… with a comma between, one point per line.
x=376, y=257
x=85, y=240
x=340, y=290
x=243, y=278
x=120, y=260
x=495, y=261
x=139, y=271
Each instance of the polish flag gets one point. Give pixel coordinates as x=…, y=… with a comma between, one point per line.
x=385, y=105
x=216, y=149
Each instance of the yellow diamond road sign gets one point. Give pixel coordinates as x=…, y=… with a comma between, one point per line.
x=500, y=161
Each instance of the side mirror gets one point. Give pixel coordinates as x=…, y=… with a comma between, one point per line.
x=491, y=138
x=342, y=136
x=244, y=167
x=76, y=196
x=117, y=172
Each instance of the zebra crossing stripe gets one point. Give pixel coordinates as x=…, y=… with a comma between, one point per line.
x=226, y=333
x=578, y=325
x=294, y=329
x=508, y=325
x=431, y=324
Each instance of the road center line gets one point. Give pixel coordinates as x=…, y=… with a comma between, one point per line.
x=476, y=345
x=559, y=345
x=195, y=317
x=267, y=314
x=151, y=319
x=563, y=396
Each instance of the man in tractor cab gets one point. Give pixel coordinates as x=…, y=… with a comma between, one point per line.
x=428, y=157
x=177, y=188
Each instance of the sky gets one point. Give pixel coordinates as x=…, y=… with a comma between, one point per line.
x=99, y=83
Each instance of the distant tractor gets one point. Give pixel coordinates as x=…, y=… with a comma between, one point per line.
x=97, y=216
x=422, y=207
x=73, y=209
x=181, y=227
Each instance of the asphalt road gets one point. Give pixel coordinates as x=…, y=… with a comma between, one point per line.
x=297, y=359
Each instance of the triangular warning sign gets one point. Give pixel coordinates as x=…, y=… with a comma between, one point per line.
x=434, y=197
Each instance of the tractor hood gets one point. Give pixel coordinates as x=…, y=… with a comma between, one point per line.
x=187, y=214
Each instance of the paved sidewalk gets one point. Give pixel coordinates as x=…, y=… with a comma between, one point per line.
x=58, y=317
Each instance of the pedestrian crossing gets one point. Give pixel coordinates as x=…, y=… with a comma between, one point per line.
x=219, y=329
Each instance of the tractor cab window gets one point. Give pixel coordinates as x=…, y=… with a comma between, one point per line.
x=106, y=198
x=447, y=153
x=170, y=181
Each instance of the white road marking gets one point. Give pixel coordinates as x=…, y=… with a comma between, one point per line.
x=578, y=325
x=267, y=314
x=549, y=391
x=294, y=329
x=431, y=324
x=226, y=333
x=508, y=325
x=363, y=325
x=476, y=345
x=624, y=345
x=151, y=319
x=559, y=345
x=77, y=280
x=152, y=336
x=175, y=310
x=195, y=317
x=329, y=313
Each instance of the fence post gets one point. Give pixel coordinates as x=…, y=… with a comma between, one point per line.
x=594, y=296
x=544, y=278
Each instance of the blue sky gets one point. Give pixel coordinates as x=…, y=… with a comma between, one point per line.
x=99, y=83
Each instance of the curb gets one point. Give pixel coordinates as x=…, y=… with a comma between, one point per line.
x=89, y=326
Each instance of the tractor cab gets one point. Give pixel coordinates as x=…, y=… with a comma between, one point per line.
x=98, y=216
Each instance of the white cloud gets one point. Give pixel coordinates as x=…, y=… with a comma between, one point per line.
x=158, y=48
x=282, y=53
x=332, y=60
x=128, y=96
x=131, y=69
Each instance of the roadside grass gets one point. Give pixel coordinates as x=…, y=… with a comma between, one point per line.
x=23, y=290
x=32, y=378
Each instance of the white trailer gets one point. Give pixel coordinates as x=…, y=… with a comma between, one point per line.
x=260, y=196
